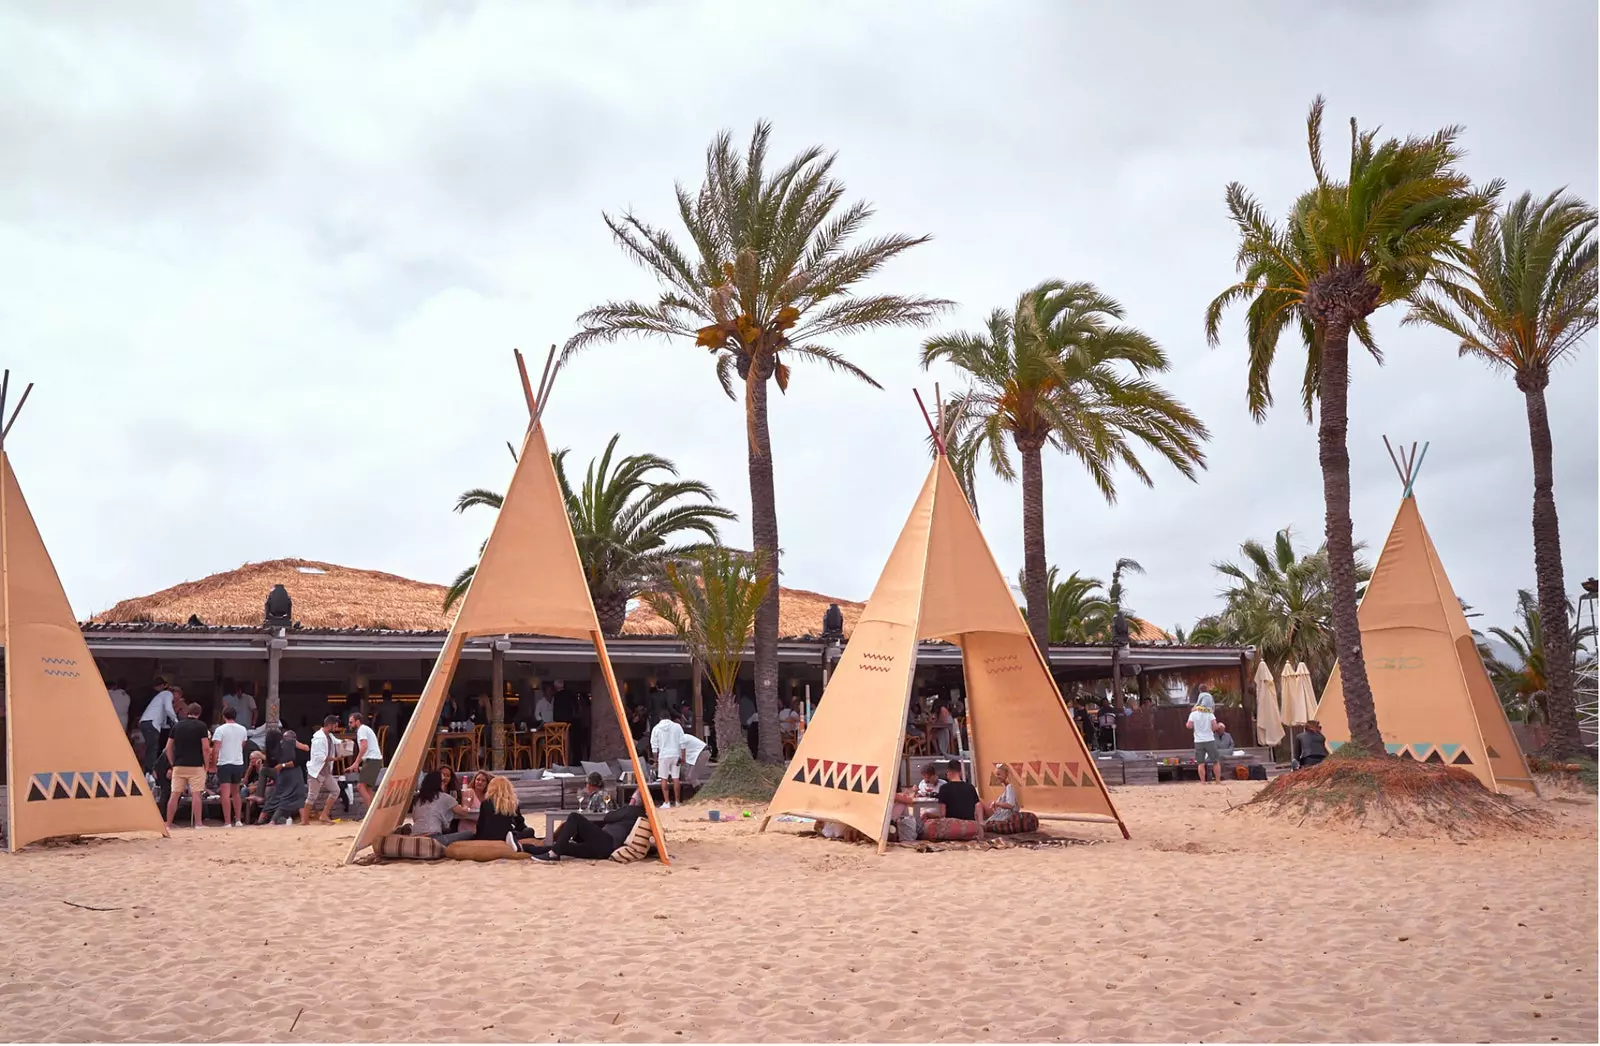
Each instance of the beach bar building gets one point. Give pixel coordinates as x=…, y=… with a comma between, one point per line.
x=354, y=630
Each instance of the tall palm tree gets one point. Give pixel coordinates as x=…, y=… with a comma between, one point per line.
x=1348, y=248
x=1061, y=370
x=1524, y=683
x=1523, y=301
x=1079, y=609
x=627, y=521
x=711, y=600
x=1281, y=602
x=767, y=279
x=1114, y=593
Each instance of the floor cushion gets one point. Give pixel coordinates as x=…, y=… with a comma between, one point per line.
x=410, y=848
x=482, y=850
x=948, y=829
x=1022, y=821
x=637, y=846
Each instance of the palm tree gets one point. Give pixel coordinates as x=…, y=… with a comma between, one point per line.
x=626, y=521
x=1079, y=609
x=711, y=600
x=1523, y=300
x=1124, y=565
x=1348, y=248
x=768, y=278
x=1055, y=371
x=1525, y=682
x=1281, y=602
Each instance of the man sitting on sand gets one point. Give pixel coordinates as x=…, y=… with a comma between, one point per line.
x=590, y=840
x=1310, y=746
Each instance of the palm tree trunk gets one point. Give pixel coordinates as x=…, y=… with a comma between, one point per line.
x=605, y=733
x=730, y=732
x=1334, y=455
x=1564, y=739
x=764, y=538
x=1035, y=580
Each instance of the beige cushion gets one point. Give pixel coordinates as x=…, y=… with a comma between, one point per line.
x=482, y=850
x=410, y=848
x=638, y=845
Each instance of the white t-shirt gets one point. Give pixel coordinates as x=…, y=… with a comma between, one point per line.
x=667, y=738
x=544, y=710
x=119, y=701
x=244, y=708
x=366, y=733
x=692, y=747
x=229, y=739
x=1202, y=719
x=158, y=712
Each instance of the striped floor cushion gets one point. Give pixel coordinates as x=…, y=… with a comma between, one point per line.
x=1022, y=821
x=410, y=848
x=947, y=829
x=638, y=844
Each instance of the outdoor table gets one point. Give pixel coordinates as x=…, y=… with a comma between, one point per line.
x=552, y=817
x=926, y=807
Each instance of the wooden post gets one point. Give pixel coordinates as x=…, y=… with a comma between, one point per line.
x=1144, y=687
x=696, y=679
x=497, y=705
x=275, y=647
x=1116, y=677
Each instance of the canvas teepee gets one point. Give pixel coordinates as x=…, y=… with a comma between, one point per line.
x=529, y=580
x=69, y=767
x=1431, y=692
x=941, y=582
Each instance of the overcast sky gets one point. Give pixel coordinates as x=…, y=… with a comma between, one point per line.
x=267, y=264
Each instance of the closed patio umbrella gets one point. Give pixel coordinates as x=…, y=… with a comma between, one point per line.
x=1269, y=725
x=1299, y=704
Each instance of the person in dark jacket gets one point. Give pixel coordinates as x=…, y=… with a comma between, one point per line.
x=588, y=840
x=1310, y=746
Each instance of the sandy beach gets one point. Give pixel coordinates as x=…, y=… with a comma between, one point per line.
x=1208, y=926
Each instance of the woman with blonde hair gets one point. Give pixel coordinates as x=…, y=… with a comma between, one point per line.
x=1008, y=804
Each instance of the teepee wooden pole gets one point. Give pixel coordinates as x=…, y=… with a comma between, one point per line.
x=546, y=384
x=527, y=389
x=544, y=379
x=1398, y=471
x=938, y=439
x=5, y=387
x=14, y=412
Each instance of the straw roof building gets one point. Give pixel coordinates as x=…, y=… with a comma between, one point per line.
x=329, y=596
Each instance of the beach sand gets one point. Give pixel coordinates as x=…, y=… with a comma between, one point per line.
x=1208, y=926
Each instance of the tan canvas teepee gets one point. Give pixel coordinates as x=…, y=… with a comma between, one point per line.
x=940, y=582
x=69, y=766
x=1432, y=694
x=529, y=580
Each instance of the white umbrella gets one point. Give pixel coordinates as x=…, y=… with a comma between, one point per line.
x=1299, y=703
x=1269, y=726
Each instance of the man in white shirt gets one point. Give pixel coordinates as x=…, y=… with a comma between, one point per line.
x=157, y=719
x=1203, y=722
x=243, y=704
x=666, y=741
x=544, y=709
x=321, y=784
x=369, y=757
x=227, y=741
x=119, y=702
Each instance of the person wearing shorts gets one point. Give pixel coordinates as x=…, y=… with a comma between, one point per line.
x=1203, y=722
x=188, y=750
x=666, y=741
x=321, y=785
x=228, y=740
x=369, y=757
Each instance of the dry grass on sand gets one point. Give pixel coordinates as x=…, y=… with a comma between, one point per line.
x=1207, y=926
x=1396, y=797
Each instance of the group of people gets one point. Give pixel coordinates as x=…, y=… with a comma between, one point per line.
x=943, y=792
x=487, y=809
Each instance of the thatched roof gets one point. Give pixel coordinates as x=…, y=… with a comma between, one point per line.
x=799, y=614
x=325, y=595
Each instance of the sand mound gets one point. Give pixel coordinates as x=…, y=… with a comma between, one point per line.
x=1394, y=797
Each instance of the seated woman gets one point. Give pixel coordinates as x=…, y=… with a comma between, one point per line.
x=472, y=798
x=434, y=808
x=1006, y=805
x=498, y=818
x=590, y=840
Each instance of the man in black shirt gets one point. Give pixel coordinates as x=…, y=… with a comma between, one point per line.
x=960, y=799
x=189, y=752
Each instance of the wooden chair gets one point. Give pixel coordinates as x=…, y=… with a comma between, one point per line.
x=521, y=749
x=474, y=750
x=383, y=741
x=553, y=744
